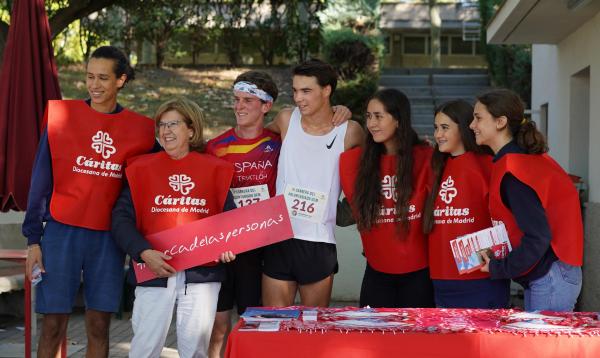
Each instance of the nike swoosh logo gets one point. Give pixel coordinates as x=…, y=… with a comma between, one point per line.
x=331, y=144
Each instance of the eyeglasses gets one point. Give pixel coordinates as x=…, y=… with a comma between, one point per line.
x=168, y=125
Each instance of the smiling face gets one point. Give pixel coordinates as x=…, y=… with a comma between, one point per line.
x=309, y=96
x=249, y=110
x=381, y=125
x=488, y=129
x=174, y=135
x=447, y=135
x=102, y=84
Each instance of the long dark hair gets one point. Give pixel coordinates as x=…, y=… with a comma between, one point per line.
x=367, y=199
x=461, y=113
x=504, y=102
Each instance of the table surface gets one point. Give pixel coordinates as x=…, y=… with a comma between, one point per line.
x=372, y=343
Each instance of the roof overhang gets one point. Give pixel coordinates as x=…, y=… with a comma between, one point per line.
x=539, y=21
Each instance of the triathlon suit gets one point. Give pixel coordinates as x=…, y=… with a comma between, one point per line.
x=255, y=164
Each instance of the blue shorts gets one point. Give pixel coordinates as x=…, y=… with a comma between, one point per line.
x=71, y=254
x=480, y=293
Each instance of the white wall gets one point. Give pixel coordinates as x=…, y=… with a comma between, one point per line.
x=553, y=66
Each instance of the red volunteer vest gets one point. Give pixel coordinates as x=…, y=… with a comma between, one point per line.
x=88, y=150
x=557, y=194
x=387, y=249
x=460, y=208
x=178, y=191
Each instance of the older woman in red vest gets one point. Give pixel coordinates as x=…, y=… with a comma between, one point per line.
x=197, y=181
x=534, y=197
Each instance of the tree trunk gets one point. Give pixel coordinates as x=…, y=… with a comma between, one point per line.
x=160, y=53
x=436, y=29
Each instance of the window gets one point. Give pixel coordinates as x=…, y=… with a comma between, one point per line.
x=460, y=47
x=415, y=45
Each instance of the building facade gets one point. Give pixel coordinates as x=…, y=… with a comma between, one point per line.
x=565, y=89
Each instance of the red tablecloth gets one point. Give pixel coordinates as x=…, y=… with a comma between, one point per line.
x=296, y=342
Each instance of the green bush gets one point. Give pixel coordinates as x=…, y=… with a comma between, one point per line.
x=355, y=93
x=356, y=57
x=352, y=53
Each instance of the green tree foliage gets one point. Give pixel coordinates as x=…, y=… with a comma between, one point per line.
x=231, y=18
x=356, y=58
x=359, y=15
x=301, y=22
x=157, y=20
x=271, y=35
x=353, y=45
x=510, y=65
x=61, y=13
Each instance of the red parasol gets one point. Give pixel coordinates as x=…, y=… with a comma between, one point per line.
x=28, y=80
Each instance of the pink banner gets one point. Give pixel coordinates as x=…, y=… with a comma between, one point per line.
x=238, y=230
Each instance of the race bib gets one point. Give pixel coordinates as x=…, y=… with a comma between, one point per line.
x=305, y=204
x=250, y=194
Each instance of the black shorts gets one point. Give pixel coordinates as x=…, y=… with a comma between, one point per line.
x=411, y=289
x=300, y=260
x=242, y=285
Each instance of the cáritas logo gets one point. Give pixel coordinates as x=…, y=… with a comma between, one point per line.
x=448, y=191
x=102, y=144
x=181, y=183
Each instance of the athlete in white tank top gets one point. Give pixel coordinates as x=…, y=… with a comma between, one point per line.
x=312, y=162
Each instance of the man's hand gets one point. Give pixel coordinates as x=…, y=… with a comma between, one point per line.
x=34, y=256
x=227, y=256
x=341, y=114
x=486, y=258
x=156, y=262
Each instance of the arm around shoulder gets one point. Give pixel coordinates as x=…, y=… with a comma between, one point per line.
x=355, y=135
x=281, y=122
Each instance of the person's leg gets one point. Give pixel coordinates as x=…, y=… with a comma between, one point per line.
x=196, y=307
x=278, y=293
x=55, y=294
x=568, y=281
x=220, y=331
x=279, y=286
x=317, y=294
x=54, y=328
x=415, y=289
x=97, y=326
x=222, y=323
x=152, y=314
x=557, y=290
x=103, y=277
x=314, y=264
x=378, y=289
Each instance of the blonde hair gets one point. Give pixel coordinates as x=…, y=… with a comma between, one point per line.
x=193, y=118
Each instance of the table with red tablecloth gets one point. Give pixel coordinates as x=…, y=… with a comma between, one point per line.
x=370, y=333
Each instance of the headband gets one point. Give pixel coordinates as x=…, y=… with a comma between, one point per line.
x=252, y=89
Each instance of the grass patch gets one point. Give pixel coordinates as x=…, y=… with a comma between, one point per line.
x=209, y=87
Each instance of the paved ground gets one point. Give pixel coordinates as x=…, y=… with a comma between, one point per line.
x=12, y=336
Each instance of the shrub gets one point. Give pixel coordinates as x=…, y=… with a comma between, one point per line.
x=356, y=58
x=355, y=93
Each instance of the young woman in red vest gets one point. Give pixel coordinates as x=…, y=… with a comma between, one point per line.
x=201, y=182
x=458, y=205
x=534, y=197
x=386, y=183
x=76, y=178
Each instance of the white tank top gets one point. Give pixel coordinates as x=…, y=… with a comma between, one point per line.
x=312, y=162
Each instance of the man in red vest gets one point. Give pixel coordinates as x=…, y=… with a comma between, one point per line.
x=77, y=176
